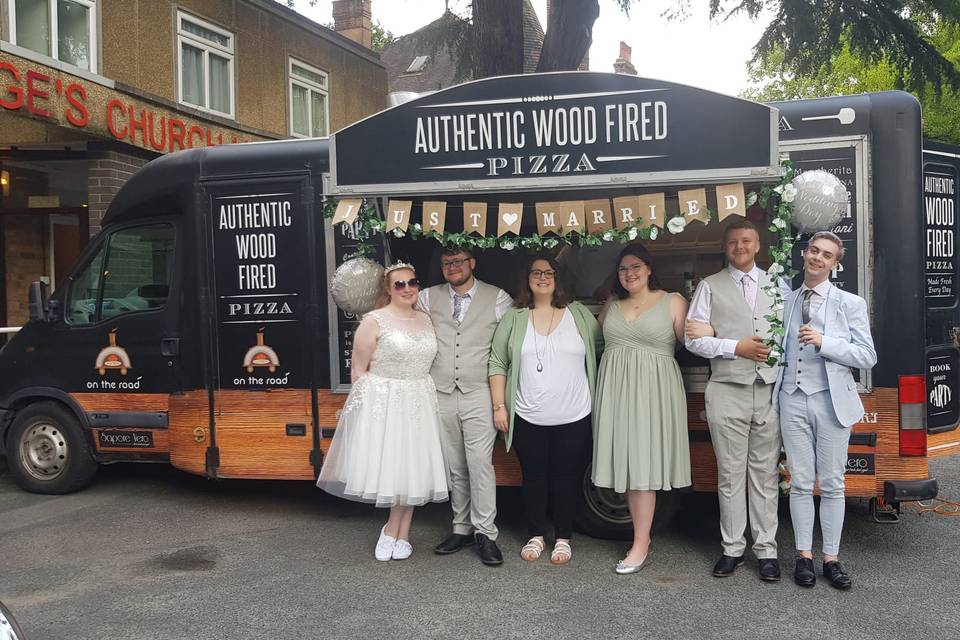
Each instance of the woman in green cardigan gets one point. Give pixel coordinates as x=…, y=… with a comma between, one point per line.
x=543, y=373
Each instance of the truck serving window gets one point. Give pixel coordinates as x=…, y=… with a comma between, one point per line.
x=131, y=272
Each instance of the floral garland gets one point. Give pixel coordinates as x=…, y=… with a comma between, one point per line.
x=778, y=200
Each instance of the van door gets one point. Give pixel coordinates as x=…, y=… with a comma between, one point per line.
x=941, y=171
x=265, y=315
x=113, y=345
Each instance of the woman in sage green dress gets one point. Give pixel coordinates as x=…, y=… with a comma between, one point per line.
x=640, y=413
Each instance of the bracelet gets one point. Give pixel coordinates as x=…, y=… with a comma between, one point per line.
x=497, y=407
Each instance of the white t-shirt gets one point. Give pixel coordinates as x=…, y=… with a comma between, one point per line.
x=559, y=394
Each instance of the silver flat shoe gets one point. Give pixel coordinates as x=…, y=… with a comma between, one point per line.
x=625, y=569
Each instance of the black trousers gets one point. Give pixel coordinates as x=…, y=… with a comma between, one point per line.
x=553, y=459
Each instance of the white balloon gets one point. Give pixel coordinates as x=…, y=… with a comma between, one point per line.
x=356, y=285
x=820, y=202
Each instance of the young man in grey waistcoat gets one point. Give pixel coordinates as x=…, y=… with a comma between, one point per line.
x=465, y=313
x=828, y=336
x=739, y=399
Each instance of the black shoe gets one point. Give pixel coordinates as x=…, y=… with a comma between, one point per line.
x=726, y=565
x=770, y=569
x=453, y=543
x=488, y=551
x=804, y=574
x=838, y=578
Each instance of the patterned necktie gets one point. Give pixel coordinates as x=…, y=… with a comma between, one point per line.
x=745, y=281
x=805, y=306
x=458, y=305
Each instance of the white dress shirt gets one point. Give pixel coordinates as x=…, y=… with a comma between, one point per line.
x=702, y=304
x=819, y=296
x=503, y=304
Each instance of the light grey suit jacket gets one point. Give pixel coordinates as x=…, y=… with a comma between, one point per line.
x=847, y=345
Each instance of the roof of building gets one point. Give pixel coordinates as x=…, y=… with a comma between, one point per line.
x=439, y=70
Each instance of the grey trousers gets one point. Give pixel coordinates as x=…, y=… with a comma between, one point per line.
x=746, y=440
x=468, y=436
x=816, y=446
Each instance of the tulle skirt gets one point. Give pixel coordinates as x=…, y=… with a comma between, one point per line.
x=386, y=449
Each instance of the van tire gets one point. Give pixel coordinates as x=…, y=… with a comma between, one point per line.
x=602, y=513
x=47, y=450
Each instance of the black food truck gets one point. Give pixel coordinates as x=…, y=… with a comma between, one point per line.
x=197, y=328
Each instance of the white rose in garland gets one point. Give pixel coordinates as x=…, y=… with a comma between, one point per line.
x=789, y=192
x=632, y=233
x=654, y=232
x=676, y=225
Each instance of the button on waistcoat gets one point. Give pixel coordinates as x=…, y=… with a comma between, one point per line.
x=805, y=367
x=464, y=348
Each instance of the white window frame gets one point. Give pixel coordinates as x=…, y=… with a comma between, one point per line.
x=302, y=82
x=185, y=37
x=55, y=31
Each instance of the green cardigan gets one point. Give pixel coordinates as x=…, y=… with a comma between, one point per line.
x=508, y=341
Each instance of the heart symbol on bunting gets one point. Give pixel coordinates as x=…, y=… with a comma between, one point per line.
x=511, y=213
x=510, y=218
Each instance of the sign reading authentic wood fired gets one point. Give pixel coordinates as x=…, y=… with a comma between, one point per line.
x=556, y=130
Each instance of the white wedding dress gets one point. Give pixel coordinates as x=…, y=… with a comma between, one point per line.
x=386, y=449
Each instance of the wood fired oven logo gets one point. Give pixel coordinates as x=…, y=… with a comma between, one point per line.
x=261, y=355
x=113, y=358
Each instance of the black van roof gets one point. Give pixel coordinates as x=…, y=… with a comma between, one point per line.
x=170, y=180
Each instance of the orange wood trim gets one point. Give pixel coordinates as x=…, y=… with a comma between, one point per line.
x=91, y=402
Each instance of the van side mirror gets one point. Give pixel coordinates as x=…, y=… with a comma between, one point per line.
x=37, y=301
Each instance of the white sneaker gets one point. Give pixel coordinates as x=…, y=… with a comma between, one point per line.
x=384, y=549
x=402, y=550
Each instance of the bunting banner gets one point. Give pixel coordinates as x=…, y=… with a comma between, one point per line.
x=583, y=217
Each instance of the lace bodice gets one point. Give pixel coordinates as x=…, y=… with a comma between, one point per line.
x=405, y=347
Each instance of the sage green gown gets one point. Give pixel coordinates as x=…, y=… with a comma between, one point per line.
x=640, y=413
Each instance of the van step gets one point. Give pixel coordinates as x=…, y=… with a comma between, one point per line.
x=882, y=513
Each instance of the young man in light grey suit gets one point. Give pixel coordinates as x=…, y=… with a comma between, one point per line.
x=828, y=335
x=465, y=312
x=732, y=307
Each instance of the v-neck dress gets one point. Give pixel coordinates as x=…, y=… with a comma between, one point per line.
x=640, y=411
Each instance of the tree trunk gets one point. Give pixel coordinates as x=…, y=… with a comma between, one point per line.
x=498, y=38
x=569, y=34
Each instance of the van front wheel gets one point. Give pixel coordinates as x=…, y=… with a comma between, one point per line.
x=47, y=451
x=603, y=513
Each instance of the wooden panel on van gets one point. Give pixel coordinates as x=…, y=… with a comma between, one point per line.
x=252, y=434
x=93, y=402
x=943, y=444
x=188, y=423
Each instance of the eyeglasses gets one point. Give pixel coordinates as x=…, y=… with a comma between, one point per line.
x=453, y=264
x=633, y=269
x=400, y=285
x=548, y=274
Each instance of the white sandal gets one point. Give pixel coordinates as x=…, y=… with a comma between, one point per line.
x=532, y=550
x=562, y=553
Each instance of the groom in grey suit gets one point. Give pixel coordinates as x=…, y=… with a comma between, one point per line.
x=828, y=335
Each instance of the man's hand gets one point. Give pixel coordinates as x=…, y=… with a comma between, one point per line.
x=752, y=348
x=695, y=330
x=808, y=335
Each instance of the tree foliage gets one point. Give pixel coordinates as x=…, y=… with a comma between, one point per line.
x=847, y=73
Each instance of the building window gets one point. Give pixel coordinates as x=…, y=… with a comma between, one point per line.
x=206, y=65
x=309, y=93
x=62, y=29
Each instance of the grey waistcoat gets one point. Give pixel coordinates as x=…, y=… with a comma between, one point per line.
x=463, y=350
x=732, y=318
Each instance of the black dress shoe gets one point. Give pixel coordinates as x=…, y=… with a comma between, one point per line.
x=838, y=578
x=804, y=574
x=726, y=565
x=453, y=543
x=770, y=569
x=488, y=550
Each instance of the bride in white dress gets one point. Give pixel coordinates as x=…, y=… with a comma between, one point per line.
x=386, y=449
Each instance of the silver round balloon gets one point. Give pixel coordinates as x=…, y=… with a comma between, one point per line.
x=356, y=285
x=820, y=202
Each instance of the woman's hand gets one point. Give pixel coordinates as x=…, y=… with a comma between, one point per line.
x=501, y=419
x=695, y=330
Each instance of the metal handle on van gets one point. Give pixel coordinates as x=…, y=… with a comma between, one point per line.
x=170, y=347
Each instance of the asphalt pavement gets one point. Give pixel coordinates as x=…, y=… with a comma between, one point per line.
x=148, y=552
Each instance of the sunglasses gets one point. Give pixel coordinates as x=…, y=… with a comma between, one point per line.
x=400, y=285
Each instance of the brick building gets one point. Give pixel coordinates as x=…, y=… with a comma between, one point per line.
x=90, y=90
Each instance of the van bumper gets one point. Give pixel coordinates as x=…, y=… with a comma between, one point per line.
x=895, y=491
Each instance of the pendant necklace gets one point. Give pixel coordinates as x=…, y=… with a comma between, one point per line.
x=536, y=346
